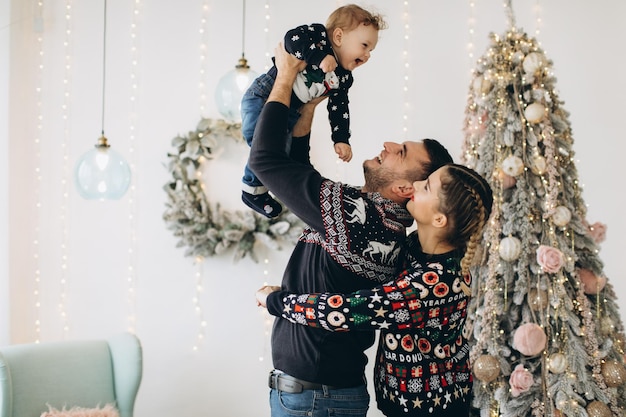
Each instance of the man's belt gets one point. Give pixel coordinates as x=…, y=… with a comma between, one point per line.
x=287, y=383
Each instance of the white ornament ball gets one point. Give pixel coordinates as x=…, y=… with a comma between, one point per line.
x=534, y=112
x=510, y=248
x=557, y=363
x=539, y=165
x=513, y=165
x=561, y=216
x=532, y=62
x=517, y=57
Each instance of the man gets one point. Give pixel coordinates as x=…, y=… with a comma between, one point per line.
x=354, y=238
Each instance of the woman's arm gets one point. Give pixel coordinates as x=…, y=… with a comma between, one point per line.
x=419, y=299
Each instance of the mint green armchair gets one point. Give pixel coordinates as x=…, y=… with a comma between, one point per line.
x=70, y=374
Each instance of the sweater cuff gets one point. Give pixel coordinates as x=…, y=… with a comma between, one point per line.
x=274, y=303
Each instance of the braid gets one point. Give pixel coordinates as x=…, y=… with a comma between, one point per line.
x=466, y=199
x=474, y=240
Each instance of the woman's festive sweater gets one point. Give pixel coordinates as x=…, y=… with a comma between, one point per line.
x=422, y=362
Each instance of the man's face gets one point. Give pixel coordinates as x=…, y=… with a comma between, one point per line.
x=395, y=161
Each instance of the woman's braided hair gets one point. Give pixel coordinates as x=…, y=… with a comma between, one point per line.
x=466, y=199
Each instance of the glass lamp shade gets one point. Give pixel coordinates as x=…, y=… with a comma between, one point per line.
x=102, y=173
x=231, y=88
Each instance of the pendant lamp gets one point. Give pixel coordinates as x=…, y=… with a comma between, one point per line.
x=102, y=173
x=232, y=86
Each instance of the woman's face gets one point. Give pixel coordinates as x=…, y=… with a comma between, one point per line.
x=424, y=203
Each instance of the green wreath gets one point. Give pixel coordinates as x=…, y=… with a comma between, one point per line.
x=205, y=230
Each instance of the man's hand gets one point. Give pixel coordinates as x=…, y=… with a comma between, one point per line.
x=288, y=67
x=343, y=151
x=263, y=292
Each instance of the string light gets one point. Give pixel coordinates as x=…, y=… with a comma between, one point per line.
x=406, y=65
x=268, y=45
x=199, y=261
x=37, y=153
x=471, y=29
x=65, y=174
x=538, y=20
x=202, y=324
x=204, y=41
x=132, y=161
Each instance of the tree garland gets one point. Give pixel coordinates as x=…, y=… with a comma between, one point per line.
x=205, y=230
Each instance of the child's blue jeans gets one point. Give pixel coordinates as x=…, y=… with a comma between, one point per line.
x=251, y=106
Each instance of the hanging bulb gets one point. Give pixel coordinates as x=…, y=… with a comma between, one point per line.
x=231, y=88
x=102, y=173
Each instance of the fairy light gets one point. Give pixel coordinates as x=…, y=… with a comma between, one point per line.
x=203, y=50
x=538, y=11
x=37, y=185
x=268, y=45
x=65, y=175
x=131, y=279
x=407, y=68
x=197, y=303
x=203, y=101
x=471, y=31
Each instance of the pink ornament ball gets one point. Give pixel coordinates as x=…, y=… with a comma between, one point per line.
x=529, y=339
x=592, y=284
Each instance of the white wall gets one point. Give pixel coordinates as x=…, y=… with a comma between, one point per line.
x=5, y=13
x=227, y=375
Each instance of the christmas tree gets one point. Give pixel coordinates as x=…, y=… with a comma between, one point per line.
x=547, y=335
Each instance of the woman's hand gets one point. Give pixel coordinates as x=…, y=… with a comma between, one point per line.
x=263, y=292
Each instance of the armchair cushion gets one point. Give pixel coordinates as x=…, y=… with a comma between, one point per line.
x=107, y=411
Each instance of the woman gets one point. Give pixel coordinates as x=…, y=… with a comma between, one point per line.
x=422, y=364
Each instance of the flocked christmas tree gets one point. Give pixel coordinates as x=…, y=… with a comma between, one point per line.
x=548, y=338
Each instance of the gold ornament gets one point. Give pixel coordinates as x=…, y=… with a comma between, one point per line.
x=557, y=363
x=614, y=373
x=606, y=325
x=598, y=409
x=537, y=299
x=486, y=368
x=538, y=165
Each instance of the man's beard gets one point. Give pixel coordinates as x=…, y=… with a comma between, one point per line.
x=376, y=179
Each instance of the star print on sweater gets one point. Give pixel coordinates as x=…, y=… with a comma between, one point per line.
x=422, y=360
x=309, y=43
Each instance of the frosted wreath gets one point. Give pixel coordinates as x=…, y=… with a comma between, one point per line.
x=205, y=229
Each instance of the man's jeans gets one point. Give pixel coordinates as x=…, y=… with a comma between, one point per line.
x=344, y=402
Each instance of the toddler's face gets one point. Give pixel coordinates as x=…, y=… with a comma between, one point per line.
x=353, y=47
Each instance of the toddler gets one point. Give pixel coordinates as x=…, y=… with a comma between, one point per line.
x=331, y=52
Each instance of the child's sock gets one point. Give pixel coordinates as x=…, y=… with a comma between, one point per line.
x=262, y=203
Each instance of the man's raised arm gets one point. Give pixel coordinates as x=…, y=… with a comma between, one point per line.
x=288, y=67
